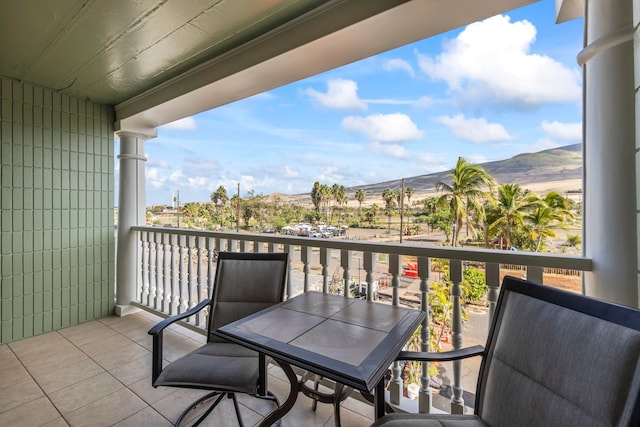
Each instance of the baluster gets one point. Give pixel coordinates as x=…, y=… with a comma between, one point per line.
x=455, y=272
x=345, y=262
x=159, y=284
x=305, y=257
x=396, y=383
x=174, y=307
x=394, y=269
x=425, y=398
x=166, y=273
x=534, y=274
x=147, y=269
x=190, y=276
x=492, y=276
x=290, y=250
x=181, y=273
x=153, y=291
x=142, y=266
x=210, y=274
x=243, y=246
x=257, y=247
x=200, y=286
x=370, y=267
x=325, y=258
x=232, y=245
x=271, y=247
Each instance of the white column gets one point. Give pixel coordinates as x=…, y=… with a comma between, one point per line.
x=131, y=212
x=610, y=183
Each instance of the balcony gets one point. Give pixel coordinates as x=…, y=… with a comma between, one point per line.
x=99, y=372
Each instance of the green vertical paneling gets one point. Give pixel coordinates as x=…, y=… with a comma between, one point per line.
x=56, y=166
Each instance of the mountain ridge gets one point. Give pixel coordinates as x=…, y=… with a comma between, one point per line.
x=558, y=169
x=552, y=165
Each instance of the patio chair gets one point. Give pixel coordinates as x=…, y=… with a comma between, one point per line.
x=244, y=284
x=552, y=359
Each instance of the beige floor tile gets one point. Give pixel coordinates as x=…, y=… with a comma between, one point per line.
x=140, y=332
x=85, y=392
x=12, y=376
x=58, y=422
x=32, y=345
x=69, y=375
x=127, y=323
x=121, y=355
x=224, y=415
x=148, y=393
x=133, y=371
x=52, y=362
x=8, y=360
x=105, y=345
x=34, y=413
x=87, y=333
x=108, y=410
x=172, y=406
x=147, y=417
x=19, y=394
x=38, y=348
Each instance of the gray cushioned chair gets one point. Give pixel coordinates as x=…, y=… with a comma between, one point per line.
x=552, y=359
x=244, y=284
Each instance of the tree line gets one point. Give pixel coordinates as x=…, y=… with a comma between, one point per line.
x=469, y=207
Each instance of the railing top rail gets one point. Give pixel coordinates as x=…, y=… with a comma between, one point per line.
x=534, y=259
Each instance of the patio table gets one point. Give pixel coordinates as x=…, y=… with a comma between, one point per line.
x=350, y=341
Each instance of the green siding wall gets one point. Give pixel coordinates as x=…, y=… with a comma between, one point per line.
x=57, y=262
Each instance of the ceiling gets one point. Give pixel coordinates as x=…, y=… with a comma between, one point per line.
x=157, y=61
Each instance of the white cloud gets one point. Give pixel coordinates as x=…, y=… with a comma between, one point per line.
x=399, y=64
x=330, y=174
x=474, y=130
x=424, y=102
x=341, y=95
x=389, y=101
x=188, y=123
x=540, y=145
x=395, y=127
x=290, y=173
x=476, y=159
x=490, y=61
x=564, y=131
x=393, y=150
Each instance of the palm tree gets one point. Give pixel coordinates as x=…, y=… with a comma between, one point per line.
x=409, y=193
x=542, y=221
x=220, y=195
x=316, y=196
x=468, y=187
x=360, y=195
x=551, y=212
x=512, y=205
x=389, y=196
x=325, y=192
x=341, y=199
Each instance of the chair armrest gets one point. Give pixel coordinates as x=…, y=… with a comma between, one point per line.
x=444, y=356
x=158, y=327
x=156, y=332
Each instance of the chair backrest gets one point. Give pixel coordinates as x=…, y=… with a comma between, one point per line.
x=556, y=358
x=244, y=284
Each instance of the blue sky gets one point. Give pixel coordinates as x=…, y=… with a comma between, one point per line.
x=488, y=91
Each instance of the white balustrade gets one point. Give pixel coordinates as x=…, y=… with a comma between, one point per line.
x=178, y=267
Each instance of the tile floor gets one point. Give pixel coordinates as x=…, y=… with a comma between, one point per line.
x=99, y=374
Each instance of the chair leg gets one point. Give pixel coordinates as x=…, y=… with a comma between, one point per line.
x=237, y=408
x=196, y=404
